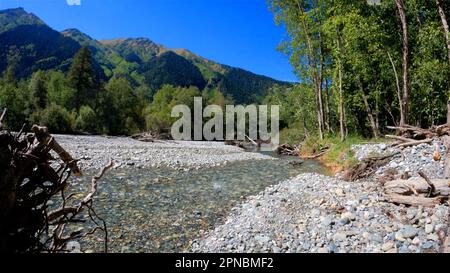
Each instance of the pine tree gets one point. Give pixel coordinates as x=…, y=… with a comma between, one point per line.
x=81, y=77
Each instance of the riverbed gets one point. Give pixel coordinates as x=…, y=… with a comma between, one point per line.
x=165, y=208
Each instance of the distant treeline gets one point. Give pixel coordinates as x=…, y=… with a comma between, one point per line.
x=80, y=102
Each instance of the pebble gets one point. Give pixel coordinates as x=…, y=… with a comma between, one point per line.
x=429, y=228
x=387, y=246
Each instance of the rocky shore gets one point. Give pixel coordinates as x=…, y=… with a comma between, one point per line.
x=315, y=213
x=96, y=151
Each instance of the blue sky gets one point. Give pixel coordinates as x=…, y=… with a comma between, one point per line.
x=239, y=33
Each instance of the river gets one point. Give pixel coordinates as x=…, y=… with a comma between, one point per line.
x=164, y=210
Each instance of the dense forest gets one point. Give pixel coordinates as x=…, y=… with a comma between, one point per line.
x=365, y=65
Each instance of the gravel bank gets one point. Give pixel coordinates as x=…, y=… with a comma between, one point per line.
x=410, y=160
x=315, y=213
x=96, y=151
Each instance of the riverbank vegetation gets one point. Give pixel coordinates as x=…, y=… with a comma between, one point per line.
x=365, y=65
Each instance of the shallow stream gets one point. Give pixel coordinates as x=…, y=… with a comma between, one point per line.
x=163, y=210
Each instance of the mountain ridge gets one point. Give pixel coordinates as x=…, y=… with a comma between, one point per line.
x=140, y=59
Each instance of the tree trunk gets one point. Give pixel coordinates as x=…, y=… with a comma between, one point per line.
x=320, y=87
x=368, y=109
x=315, y=71
x=447, y=38
x=341, y=95
x=327, y=108
x=405, y=42
x=341, y=102
x=448, y=113
x=444, y=25
x=397, y=81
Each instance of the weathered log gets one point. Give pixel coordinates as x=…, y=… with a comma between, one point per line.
x=417, y=185
x=414, y=200
x=414, y=143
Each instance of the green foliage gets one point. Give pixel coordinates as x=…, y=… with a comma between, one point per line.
x=12, y=18
x=125, y=108
x=55, y=117
x=340, y=155
x=158, y=113
x=170, y=68
x=37, y=47
x=357, y=41
x=81, y=77
x=86, y=120
x=38, y=89
x=59, y=92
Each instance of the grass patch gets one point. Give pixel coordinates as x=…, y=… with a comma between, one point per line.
x=340, y=155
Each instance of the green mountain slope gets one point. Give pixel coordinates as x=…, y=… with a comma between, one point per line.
x=12, y=18
x=32, y=45
x=35, y=47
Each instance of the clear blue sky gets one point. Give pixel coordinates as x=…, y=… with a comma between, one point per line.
x=239, y=33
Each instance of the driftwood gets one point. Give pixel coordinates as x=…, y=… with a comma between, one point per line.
x=403, y=142
x=367, y=167
x=318, y=154
x=418, y=192
x=144, y=137
x=152, y=136
x=287, y=149
x=414, y=200
x=417, y=186
x=30, y=177
x=417, y=133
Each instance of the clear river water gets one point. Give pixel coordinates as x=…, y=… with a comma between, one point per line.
x=164, y=210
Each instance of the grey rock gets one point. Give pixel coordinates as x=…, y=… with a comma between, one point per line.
x=429, y=228
x=340, y=236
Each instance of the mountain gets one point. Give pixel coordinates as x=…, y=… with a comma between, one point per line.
x=12, y=18
x=31, y=45
x=35, y=47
